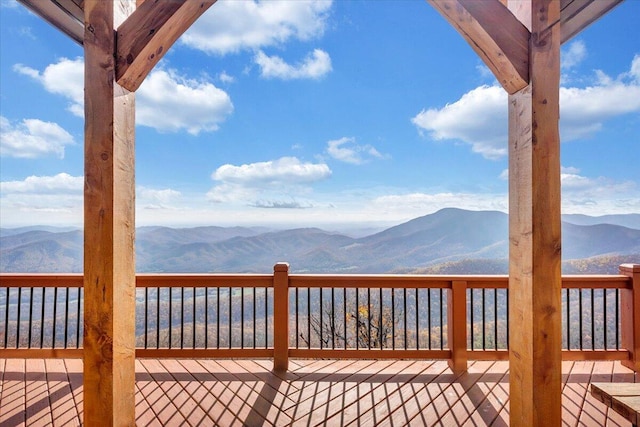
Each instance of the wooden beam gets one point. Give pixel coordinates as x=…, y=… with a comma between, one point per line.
x=576, y=15
x=109, y=225
x=500, y=39
x=630, y=316
x=145, y=37
x=535, y=335
x=281, y=317
x=67, y=18
x=457, y=325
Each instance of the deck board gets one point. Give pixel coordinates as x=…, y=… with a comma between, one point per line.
x=170, y=392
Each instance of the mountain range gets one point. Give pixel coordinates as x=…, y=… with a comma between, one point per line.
x=450, y=240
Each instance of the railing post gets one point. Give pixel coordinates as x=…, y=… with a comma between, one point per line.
x=281, y=316
x=457, y=325
x=630, y=316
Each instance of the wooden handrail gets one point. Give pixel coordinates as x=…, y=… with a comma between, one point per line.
x=628, y=282
x=397, y=281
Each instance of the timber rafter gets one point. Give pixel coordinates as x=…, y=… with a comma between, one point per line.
x=495, y=34
x=144, y=38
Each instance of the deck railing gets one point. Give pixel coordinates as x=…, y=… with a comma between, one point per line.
x=283, y=315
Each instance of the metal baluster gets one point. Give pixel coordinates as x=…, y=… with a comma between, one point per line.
x=55, y=310
x=472, y=313
x=604, y=316
x=380, y=320
x=393, y=319
x=441, y=322
x=429, y=316
x=146, y=315
x=79, y=322
x=593, y=323
x=333, y=320
x=181, y=317
x=495, y=318
x=417, y=321
x=30, y=317
x=357, y=318
x=241, y=317
x=321, y=334
x=484, y=329
x=18, y=319
x=66, y=316
x=405, y=316
x=41, y=317
x=580, y=291
x=157, y=317
x=194, y=318
x=206, y=317
x=309, y=316
x=344, y=313
x=617, y=319
x=369, y=316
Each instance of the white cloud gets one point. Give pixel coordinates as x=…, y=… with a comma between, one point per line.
x=593, y=196
x=166, y=101
x=275, y=183
x=573, y=55
x=169, y=102
x=282, y=171
x=149, y=198
x=479, y=117
x=32, y=138
x=232, y=26
x=10, y=4
x=66, y=78
x=226, y=78
x=634, y=73
x=416, y=204
x=314, y=66
x=346, y=150
x=50, y=200
x=60, y=183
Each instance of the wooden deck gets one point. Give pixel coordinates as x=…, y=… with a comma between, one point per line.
x=37, y=392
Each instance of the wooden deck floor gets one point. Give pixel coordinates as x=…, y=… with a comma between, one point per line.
x=333, y=393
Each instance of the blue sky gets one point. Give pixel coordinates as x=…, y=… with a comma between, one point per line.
x=320, y=113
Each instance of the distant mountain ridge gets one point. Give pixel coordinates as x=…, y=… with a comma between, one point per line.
x=473, y=241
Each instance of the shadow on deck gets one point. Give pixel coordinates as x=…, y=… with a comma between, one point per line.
x=170, y=392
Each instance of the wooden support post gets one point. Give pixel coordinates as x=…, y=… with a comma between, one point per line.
x=109, y=225
x=630, y=316
x=457, y=325
x=535, y=282
x=281, y=316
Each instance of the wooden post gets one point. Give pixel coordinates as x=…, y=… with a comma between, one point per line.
x=457, y=325
x=630, y=316
x=281, y=316
x=535, y=335
x=109, y=225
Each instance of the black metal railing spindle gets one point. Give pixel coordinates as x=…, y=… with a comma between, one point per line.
x=43, y=305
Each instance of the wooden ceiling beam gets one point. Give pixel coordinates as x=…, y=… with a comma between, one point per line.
x=146, y=36
x=495, y=34
x=67, y=16
x=576, y=15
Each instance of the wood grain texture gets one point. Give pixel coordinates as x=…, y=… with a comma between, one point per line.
x=109, y=225
x=146, y=36
x=457, y=325
x=281, y=317
x=313, y=392
x=630, y=316
x=535, y=281
x=499, y=39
